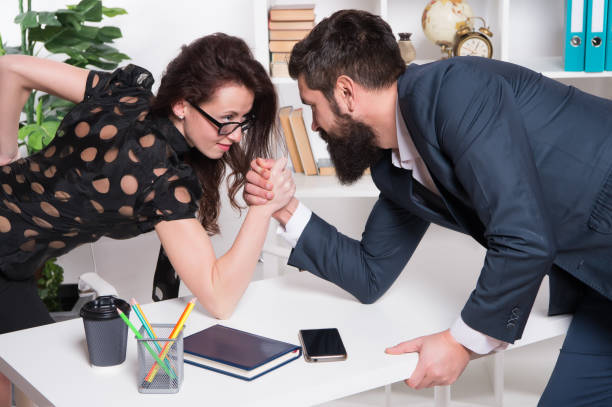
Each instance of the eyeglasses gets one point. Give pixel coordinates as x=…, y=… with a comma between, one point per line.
x=227, y=128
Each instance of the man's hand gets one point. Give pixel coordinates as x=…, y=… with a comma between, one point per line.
x=258, y=189
x=441, y=359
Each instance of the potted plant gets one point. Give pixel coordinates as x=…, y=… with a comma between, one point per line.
x=64, y=31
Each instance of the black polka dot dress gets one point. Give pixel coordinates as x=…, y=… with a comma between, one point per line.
x=112, y=170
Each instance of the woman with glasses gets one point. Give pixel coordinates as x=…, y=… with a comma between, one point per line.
x=125, y=162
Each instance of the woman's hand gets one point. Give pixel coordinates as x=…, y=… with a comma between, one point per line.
x=258, y=190
x=283, y=187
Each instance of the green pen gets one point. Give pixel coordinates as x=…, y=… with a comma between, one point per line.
x=139, y=336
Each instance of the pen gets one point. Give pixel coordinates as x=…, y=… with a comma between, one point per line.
x=177, y=328
x=139, y=336
x=147, y=326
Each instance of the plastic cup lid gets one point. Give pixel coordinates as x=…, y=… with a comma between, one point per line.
x=104, y=307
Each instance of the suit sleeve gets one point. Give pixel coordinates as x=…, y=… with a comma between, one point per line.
x=365, y=268
x=480, y=128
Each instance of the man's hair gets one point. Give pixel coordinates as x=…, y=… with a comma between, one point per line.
x=355, y=43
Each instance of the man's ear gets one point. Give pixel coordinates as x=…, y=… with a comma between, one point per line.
x=344, y=93
x=178, y=108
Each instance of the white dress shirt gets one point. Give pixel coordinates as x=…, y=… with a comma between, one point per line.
x=407, y=157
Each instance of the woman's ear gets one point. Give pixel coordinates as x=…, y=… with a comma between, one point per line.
x=344, y=93
x=178, y=108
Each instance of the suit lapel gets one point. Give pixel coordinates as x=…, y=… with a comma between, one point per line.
x=452, y=193
x=398, y=185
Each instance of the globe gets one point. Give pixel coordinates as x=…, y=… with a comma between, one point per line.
x=442, y=18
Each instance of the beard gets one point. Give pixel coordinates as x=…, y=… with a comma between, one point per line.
x=352, y=148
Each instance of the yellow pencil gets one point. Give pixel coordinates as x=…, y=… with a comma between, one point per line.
x=173, y=335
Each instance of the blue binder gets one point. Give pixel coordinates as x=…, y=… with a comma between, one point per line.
x=608, y=66
x=597, y=16
x=575, y=23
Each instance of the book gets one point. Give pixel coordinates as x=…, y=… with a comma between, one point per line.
x=283, y=118
x=282, y=45
x=279, y=70
x=237, y=353
x=301, y=12
x=326, y=166
x=302, y=141
x=280, y=57
x=291, y=25
x=288, y=34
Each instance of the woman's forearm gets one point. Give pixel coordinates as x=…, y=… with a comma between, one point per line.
x=233, y=271
x=12, y=98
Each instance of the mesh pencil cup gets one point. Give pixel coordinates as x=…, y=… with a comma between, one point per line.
x=168, y=378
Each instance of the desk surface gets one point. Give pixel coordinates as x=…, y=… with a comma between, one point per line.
x=50, y=365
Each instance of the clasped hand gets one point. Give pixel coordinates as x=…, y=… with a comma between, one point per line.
x=269, y=182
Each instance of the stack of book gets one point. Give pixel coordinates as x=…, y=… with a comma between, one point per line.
x=287, y=25
x=298, y=144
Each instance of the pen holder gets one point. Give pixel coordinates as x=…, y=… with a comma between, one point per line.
x=162, y=382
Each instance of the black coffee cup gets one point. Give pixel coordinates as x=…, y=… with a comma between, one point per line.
x=105, y=332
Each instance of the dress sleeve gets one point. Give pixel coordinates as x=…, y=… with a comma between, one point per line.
x=103, y=84
x=173, y=194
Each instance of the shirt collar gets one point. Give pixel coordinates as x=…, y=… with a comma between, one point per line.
x=172, y=135
x=406, y=152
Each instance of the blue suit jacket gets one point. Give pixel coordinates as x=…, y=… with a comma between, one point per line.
x=523, y=164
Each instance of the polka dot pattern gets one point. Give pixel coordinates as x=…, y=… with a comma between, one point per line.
x=5, y=225
x=108, y=132
x=50, y=172
x=147, y=141
x=112, y=170
x=82, y=129
x=89, y=154
x=129, y=184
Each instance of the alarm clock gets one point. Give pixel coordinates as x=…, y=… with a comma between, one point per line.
x=469, y=42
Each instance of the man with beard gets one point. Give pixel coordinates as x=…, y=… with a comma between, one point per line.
x=518, y=161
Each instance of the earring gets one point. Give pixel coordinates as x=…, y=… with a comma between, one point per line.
x=181, y=117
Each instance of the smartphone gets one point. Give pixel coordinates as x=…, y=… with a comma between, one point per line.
x=322, y=345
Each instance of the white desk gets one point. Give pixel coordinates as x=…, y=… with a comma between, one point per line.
x=50, y=363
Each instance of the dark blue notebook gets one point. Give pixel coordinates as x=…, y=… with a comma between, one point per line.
x=237, y=353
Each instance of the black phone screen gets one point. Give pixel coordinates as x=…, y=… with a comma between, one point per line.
x=322, y=342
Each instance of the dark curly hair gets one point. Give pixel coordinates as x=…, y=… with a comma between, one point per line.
x=201, y=68
x=355, y=43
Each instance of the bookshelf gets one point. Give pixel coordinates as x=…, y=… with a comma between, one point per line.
x=525, y=32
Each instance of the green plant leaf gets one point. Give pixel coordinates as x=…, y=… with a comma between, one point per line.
x=91, y=9
x=50, y=127
x=112, y=12
x=29, y=19
x=48, y=18
x=45, y=34
x=109, y=33
x=34, y=141
x=25, y=131
x=70, y=18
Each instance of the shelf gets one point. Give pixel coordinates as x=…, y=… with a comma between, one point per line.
x=328, y=186
x=553, y=68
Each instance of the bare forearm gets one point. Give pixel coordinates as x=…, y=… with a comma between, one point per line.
x=12, y=98
x=233, y=271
